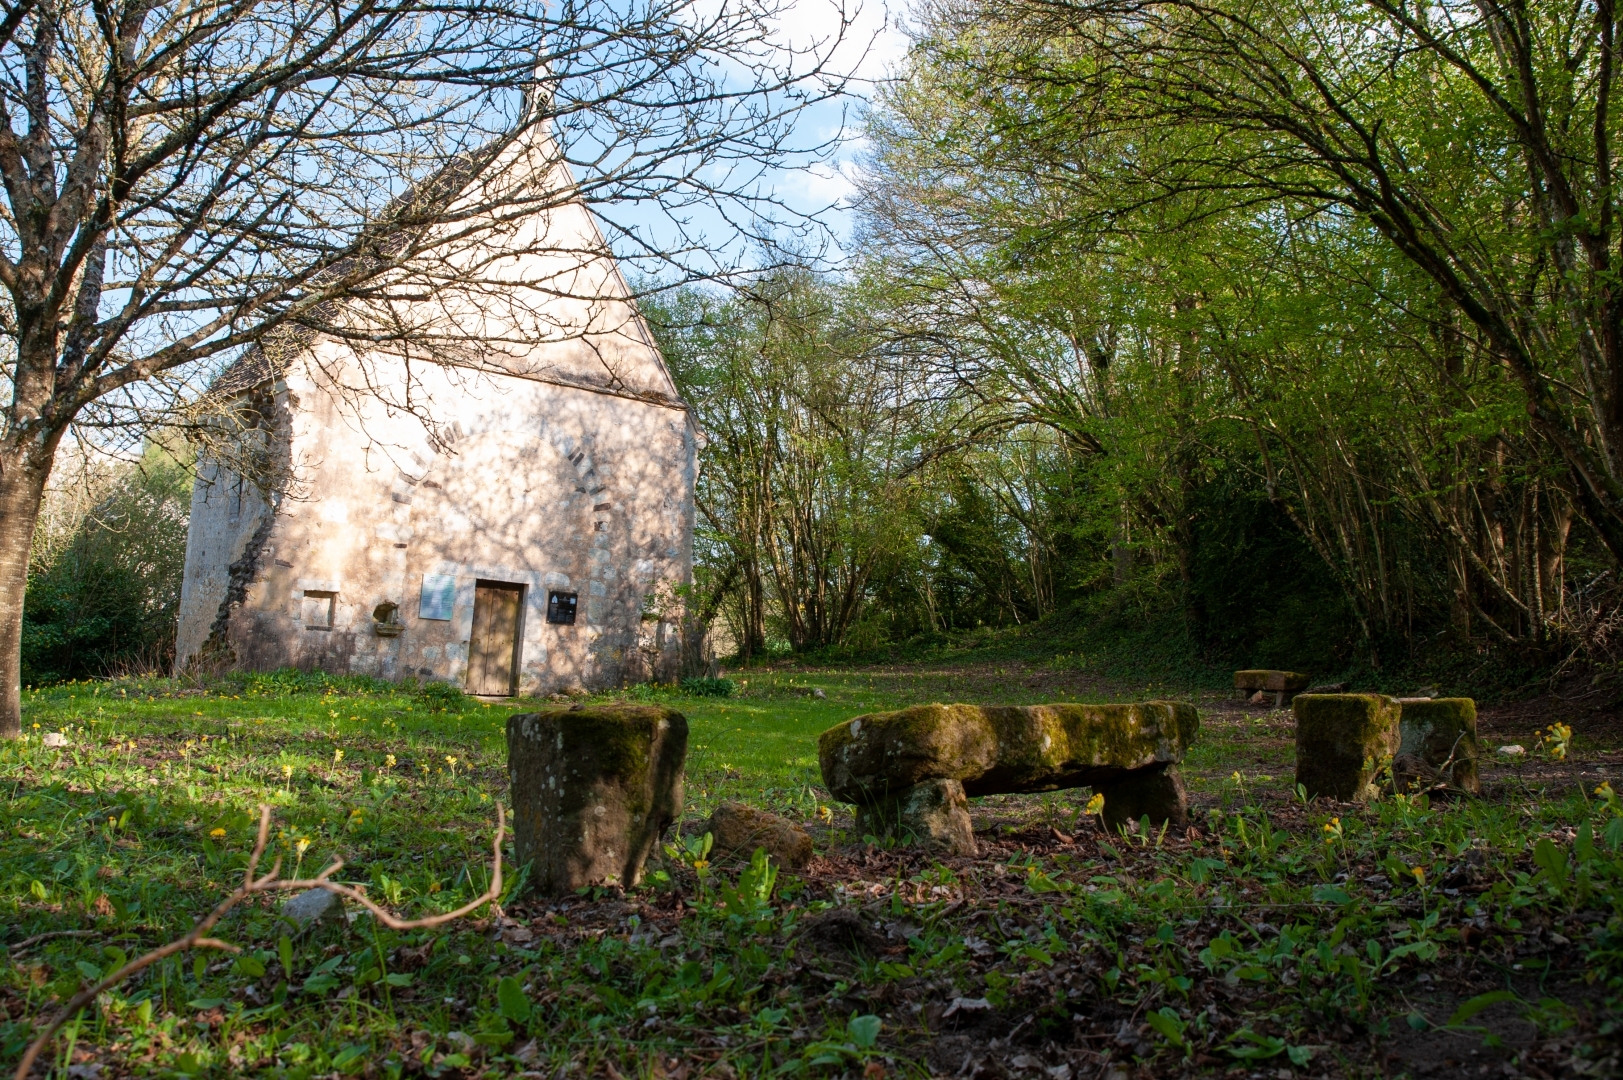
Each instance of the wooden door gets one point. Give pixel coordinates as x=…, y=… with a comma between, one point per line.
x=493, y=649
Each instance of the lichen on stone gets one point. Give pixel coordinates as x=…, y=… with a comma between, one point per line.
x=1341, y=739
x=1001, y=749
x=1437, y=744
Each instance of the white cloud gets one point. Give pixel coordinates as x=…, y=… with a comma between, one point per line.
x=871, y=45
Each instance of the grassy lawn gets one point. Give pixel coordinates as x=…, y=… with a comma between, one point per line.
x=1272, y=938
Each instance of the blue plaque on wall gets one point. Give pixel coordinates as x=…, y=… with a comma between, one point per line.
x=439, y=593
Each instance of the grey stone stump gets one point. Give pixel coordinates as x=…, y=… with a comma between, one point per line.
x=594, y=788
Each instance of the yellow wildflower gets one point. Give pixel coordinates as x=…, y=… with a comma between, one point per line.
x=824, y=814
x=337, y=756
x=388, y=761
x=1096, y=805
x=1419, y=873
x=216, y=833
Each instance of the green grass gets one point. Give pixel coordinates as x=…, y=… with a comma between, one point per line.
x=1248, y=941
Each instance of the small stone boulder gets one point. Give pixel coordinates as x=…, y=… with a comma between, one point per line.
x=311, y=907
x=1341, y=740
x=882, y=762
x=1437, y=743
x=739, y=829
x=932, y=814
x=594, y=787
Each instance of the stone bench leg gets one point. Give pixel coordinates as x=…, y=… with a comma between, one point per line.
x=933, y=814
x=1156, y=792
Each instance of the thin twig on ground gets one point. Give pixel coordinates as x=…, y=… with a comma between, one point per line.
x=28, y=942
x=197, y=938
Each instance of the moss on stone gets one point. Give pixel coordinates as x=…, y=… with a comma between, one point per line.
x=592, y=788
x=1435, y=737
x=1341, y=741
x=993, y=749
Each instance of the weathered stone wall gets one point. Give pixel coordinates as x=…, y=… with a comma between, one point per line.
x=544, y=485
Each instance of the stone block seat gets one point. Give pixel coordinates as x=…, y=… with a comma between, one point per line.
x=1342, y=740
x=1437, y=745
x=594, y=788
x=911, y=772
x=1284, y=685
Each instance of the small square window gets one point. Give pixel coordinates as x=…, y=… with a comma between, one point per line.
x=561, y=608
x=317, y=610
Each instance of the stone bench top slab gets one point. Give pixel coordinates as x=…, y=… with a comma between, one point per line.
x=1290, y=682
x=1001, y=749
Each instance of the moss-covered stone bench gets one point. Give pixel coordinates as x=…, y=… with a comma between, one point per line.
x=910, y=773
x=1284, y=685
x=1343, y=739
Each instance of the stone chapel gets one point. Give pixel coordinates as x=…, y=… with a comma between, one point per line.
x=523, y=527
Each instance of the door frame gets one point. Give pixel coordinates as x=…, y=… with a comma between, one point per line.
x=523, y=590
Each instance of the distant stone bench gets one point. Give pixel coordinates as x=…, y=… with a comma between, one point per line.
x=1284, y=685
x=910, y=773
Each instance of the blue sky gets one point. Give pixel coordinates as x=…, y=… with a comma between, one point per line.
x=817, y=186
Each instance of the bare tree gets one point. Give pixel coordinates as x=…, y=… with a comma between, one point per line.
x=186, y=181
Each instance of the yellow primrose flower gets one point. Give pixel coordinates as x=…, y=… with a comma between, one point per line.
x=451, y=761
x=1419, y=873
x=824, y=814
x=337, y=756
x=388, y=761
x=1096, y=805
x=302, y=845
x=216, y=833
x=332, y=714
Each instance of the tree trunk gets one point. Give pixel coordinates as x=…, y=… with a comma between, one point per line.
x=23, y=473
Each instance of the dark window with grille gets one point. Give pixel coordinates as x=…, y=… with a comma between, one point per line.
x=561, y=608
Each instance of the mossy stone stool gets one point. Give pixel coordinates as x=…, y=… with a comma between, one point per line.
x=1340, y=742
x=594, y=787
x=1437, y=744
x=911, y=772
x=1284, y=685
